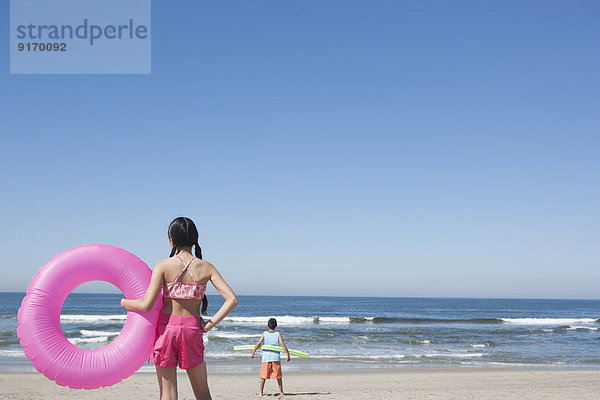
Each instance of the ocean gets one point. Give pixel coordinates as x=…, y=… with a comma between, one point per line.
x=345, y=333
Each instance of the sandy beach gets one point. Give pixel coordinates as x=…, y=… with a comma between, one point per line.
x=414, y=383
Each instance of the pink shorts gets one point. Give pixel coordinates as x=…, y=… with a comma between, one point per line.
x=178, y=342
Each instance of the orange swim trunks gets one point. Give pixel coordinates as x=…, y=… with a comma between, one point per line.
x=270, y=370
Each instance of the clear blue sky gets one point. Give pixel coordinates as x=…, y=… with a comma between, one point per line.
x=396, y=148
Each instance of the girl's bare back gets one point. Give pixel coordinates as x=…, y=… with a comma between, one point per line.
x=171, y=268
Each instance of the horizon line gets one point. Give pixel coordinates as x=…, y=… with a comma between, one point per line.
x=373, y=297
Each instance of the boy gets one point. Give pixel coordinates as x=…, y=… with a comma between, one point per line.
x=271, y=365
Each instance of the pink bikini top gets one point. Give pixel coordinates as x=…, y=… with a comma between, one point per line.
x=184, y=290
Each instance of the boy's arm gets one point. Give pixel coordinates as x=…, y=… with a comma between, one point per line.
x=262, y=337
x=284, y=347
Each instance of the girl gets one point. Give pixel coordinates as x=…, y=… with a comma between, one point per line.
x=183, y=279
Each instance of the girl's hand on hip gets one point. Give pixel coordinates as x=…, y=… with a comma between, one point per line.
x=208, y=325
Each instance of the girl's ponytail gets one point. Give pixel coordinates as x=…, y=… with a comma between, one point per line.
x=198, y=251
x=204, y=305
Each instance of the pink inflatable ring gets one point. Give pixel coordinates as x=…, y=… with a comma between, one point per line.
x=39, y=328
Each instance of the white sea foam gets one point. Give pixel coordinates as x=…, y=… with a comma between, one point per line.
x=99, y=339
x=220, y=356
x=478, y=345
x=91, y=318
x=293, y=320
x=390, y=357
x=382, y=357
x=233, y=335
x=416, y=342
x=85, y=332
x=452, y=355
x=573, y=328
x=287, y=319
x=548, y=321
x=12, y=353
x=332, y=320
x=502, y=364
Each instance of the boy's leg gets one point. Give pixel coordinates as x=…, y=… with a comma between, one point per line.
x=265, y=373
x=262, y=386
x=167, y=382
x=280, y=382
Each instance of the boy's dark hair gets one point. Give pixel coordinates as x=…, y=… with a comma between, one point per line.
x=272, y=324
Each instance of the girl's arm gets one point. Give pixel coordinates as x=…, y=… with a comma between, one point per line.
x=146, y=304
x=227, y=293
x=284, y=347
x=262, y=337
